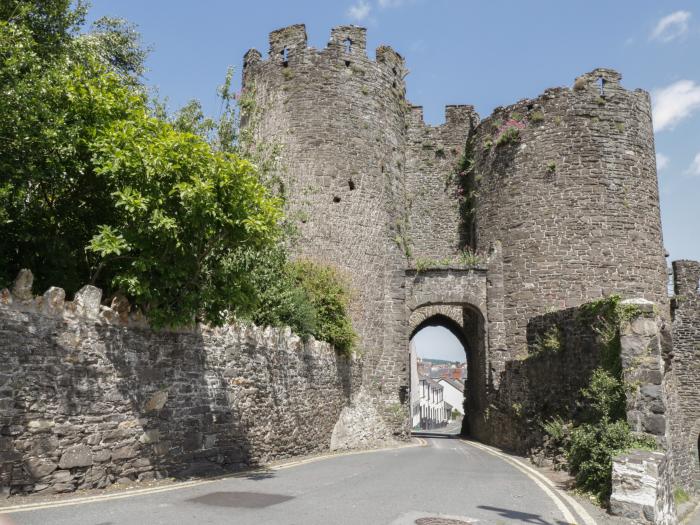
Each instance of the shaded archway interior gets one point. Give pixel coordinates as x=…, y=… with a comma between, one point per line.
x=444, y=322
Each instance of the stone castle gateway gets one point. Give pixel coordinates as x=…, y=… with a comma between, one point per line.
x=566, y=213
x=493, y=228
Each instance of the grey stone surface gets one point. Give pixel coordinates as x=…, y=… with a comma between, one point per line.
x=682, y=387
x=374, y=191
x=91, y=401
x=642, y=488
x=76, y=456
x=22, y=287
x=87, y=301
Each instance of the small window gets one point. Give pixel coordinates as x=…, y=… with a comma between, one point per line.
x=347, y=45
x=285, y=57
x=336, y=199
x=601, y=83
x=351, y=184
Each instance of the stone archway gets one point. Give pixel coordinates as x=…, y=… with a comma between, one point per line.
x=466, y=322
x=423, y=316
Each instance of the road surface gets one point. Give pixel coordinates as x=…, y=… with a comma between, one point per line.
x=462, y=482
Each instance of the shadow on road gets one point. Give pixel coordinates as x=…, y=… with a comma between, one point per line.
x=250, y=500
x=434, y=434
x=524, y=517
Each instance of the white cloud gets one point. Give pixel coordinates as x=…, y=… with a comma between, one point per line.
x=674, y=103
x=671, y=27
x=359, y=11
x=384, y=4
x=661, y=161
x=694, y=168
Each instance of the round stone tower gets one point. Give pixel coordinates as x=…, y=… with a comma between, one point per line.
x=337, y=120
x=567, y=183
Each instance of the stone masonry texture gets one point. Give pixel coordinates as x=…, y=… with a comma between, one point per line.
x=566, y=213
x=89, y=400
x=683, y=389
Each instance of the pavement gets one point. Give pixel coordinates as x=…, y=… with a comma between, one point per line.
x=439, y=481
x=692, y=517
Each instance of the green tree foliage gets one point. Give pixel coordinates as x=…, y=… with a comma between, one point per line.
x=94, y=188
x=97, y=185
x=327, y=294
x=51, y=23
x=309, y=297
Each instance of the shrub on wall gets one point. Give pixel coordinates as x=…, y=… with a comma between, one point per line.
x=601, y=432
x=327, y=293
x=310, y=298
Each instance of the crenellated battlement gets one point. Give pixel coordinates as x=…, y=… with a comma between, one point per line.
x=347, y=43
x=686, y=278
x=599, y=90
x=287, y=42
x=456, y=115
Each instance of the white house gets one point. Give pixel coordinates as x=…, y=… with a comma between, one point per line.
x=453, y=393
x=428, y=408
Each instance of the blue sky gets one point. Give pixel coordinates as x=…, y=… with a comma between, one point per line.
x=485, y=53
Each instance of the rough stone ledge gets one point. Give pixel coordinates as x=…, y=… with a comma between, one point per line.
x=86, y=306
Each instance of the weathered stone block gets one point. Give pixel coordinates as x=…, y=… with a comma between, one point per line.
x=157, y=401
x=87, y=301
x=125, y=452
x=22, y=287
x=150, y=436
x=101, y=456
x=76, y=456
x=54, y=301
x=40, y=425
x=38, y=468
x=641, y=487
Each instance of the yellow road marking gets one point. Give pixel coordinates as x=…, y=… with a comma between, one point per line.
x=27, y=507
x=544, y=483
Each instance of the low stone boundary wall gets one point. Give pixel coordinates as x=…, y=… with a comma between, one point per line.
x=90, y=395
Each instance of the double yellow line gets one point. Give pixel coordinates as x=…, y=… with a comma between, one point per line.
x=563, y=501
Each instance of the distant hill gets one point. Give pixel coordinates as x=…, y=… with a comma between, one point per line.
x=439, y=361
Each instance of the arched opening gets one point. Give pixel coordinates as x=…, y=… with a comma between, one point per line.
x=438, y=351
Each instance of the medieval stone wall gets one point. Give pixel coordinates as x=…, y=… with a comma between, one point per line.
x=338, y=118
x=89, y=397
x=572, y=197
x=567, y=211
x=683, y=378
x=565, y=347
x=432, y=194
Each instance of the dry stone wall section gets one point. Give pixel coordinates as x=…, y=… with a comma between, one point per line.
x=89, y=397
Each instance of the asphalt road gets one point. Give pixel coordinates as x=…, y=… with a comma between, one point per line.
x=445, y=477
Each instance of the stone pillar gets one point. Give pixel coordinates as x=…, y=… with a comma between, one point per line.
x=642, y=488
x=643, y=369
